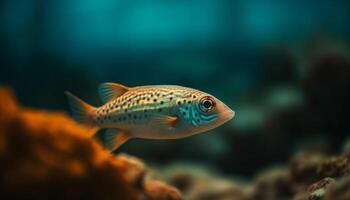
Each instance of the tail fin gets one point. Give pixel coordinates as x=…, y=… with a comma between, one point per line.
x=81, y=111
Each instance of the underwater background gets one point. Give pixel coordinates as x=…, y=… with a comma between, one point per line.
x=282, y=66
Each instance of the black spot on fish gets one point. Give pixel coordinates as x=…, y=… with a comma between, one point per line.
x=155, y=100
x=159, y=110
x=198, y=120
x=189, y=102
x=194, y=96
x=119, y=119
x=196, y=115
x=161, y=102
x=184, y=100
x=184, y=113
x=135, y=116
x=171, y=98
x=186, y=108
x=178, y=103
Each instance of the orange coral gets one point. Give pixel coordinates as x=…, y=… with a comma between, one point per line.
x=46, y=155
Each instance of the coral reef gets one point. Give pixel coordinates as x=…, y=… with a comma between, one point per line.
x=309, y=176
x=318, y=189
x=197, y=182
x=46, y=155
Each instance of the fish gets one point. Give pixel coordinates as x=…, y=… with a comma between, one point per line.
x=150, y=112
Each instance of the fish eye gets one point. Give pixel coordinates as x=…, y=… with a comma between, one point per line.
x=207, y=104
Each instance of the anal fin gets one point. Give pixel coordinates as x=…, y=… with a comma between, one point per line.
x=114, y=138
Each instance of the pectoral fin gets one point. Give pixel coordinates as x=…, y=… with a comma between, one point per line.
x=114, y=138
x=165, y=121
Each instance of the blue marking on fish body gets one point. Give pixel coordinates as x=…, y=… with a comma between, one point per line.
x=194, y=122
x=209, y=118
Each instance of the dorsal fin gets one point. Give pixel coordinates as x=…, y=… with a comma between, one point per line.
x=109, y=91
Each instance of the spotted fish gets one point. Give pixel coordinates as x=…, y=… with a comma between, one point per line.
x=150, y=112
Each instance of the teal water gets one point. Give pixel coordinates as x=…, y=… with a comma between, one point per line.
x=283, y=67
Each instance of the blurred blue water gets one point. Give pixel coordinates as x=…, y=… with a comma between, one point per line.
x=239, y=51
x=95, y=30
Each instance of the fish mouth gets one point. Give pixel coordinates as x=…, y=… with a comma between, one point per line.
x=228, y=115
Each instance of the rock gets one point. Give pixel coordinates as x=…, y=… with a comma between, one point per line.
x=304, y=168
x=217, y=189
x=335, y=167
x=301, y=196
x=339, y=190
x=132, y=169
x=317, y=190
x=137, y=175
x=200, y=183
x=304, y=179
x=274, y=184
x=156, y=190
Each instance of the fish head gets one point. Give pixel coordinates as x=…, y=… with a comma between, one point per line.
x=206, y=112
